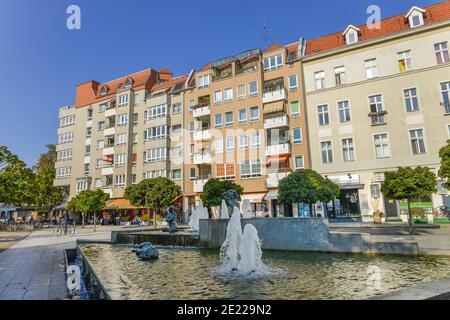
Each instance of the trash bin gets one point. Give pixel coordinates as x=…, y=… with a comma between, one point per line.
x=377, y=215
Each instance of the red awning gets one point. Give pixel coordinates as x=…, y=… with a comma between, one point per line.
x=277, y=159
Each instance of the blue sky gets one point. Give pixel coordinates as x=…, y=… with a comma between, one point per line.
x=41, y=61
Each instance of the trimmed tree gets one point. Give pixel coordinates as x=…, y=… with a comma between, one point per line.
x=444, y=170
x=155, y=193
x=88, y=201
x=213, y=190
x=307, y=186
x=408, y=183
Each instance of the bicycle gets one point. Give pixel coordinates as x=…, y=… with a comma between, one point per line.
x=441, y=212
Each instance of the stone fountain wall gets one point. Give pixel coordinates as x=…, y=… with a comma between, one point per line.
x=302, y=235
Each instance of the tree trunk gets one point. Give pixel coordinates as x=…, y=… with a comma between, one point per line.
x=82, y=219
x=154, y=218
x=95, y=221
x=411, y=229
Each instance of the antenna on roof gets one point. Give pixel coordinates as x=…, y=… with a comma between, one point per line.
x=265, y=30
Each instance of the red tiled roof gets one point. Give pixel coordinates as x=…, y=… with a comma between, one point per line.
x=434, y=13
x=169, y=84
x=273, y=47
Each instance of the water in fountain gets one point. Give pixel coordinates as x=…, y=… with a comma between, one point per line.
x=246, y=211
x=250, y=252
x=194, y=220
x=224, y=211
x=229, y=253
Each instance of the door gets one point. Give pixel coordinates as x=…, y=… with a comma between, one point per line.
x=391, y=208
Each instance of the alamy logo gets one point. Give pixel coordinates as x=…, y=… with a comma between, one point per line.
x=73, y=21
x=374, y=19
x=73, y=278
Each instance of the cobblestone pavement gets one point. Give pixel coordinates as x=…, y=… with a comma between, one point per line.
x=33, y=268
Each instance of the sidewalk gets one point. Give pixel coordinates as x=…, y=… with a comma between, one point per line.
x=33, y=269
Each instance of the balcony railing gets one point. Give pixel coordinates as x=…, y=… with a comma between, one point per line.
x=202, y=135
x=378, y=118
x=199, y=184
x=202, y=110
x=274, y=95
x=273, y=179
x=204, y=158
x=278, y=149
x=278, y=121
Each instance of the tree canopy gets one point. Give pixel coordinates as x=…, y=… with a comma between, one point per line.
x=306, y=186
x=88, y=201
x=214, y=188
x=409, y=183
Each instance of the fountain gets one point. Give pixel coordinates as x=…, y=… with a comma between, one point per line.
x=194, y=220
x=246, y=210
x=229, y=253
x=250, y=250
x=224, y=210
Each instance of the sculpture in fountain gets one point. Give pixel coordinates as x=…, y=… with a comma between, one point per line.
x=146, y=251
x=170, y=218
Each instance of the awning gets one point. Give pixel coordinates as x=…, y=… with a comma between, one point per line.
x=253, y=197
x=274, y=107
x=119, y=204
x=271, y=195
x=277, y=159
x=351, y=186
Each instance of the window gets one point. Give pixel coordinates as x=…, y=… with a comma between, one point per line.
x=135, y=118
x=320, y=80
x=253, y=88
x=218, y=120
x=250, y=169
x=241, y=91
x=417, y=141
x=192, y=103
x=86, y=168
x=176, y=174
x=156, y=154
x=299, y=164
x=225, y=171
x=351, y=36
x=218, y=97
x=256, y=141
x=382, y=149
x=66, y=121
x=87, y=150
x=295, y=109
x=133, y=178
x=135, y=138
x=404, y=61
x=120, y=159
x=136, y=99
x=102, y=107
x=123, y=100
x=120, y=180
x=254, y=114
x=154, y=174
x=122, y=119
x=156, y=112
x=121, y=139
x=324, y=118
x=64, y=155
x=292, y=82
x=344, y=111
x=192, y=174
x=371, y=68
x=128, y=83
x=176, y=108
x=64, y=172
x=230, y=143
x=243, y=141
x=218, y=145
x=377, y=112
x=98, y=183
x=416, y=17
x=327, y=152
x=89, y=114
x=159, y=132
x=339, y=75
x=203, y=81
x=88, y=132
x=101, y=126
x=103, y=91
x=242, y=116
x=81, y=186
x=411, y=100
x=228, y=94
x=445, y=91
x=177, y=152
x=441, y=50
x=297, y=136
x=229, y=119
x=65, y=138
x=273, y=62
x=100, y=144
x=192, y=127
x=348, y=150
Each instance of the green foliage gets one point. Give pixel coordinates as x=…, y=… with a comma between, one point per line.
x=153, y=193
x=306, y=186
x=88, y=201
x=214, y=188
x=444, y=170
x=16, y=180
x=409, y=183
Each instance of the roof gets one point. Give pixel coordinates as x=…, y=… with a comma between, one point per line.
x=119, y=204
x=434, y=13
x=272, y=47
x=169, y=84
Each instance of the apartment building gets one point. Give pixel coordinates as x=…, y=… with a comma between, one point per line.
x=245, y=121
x=117, y=134
x=377, y=99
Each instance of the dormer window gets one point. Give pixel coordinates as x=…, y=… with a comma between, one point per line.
x=103, y=91
x=351, y=34
x=128, y=83
x=415, y=17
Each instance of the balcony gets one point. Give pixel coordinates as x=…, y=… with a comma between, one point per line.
x=202, y=135
x=110, y=112
x=273, y=179
x=378, y=118
x=107, y=171
x=274, y=95
x=278, y=149
x=202, y=110
x=109, y=131
x=204, y=158
x=199, y=185
x=273, y=122
x=108, y=151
